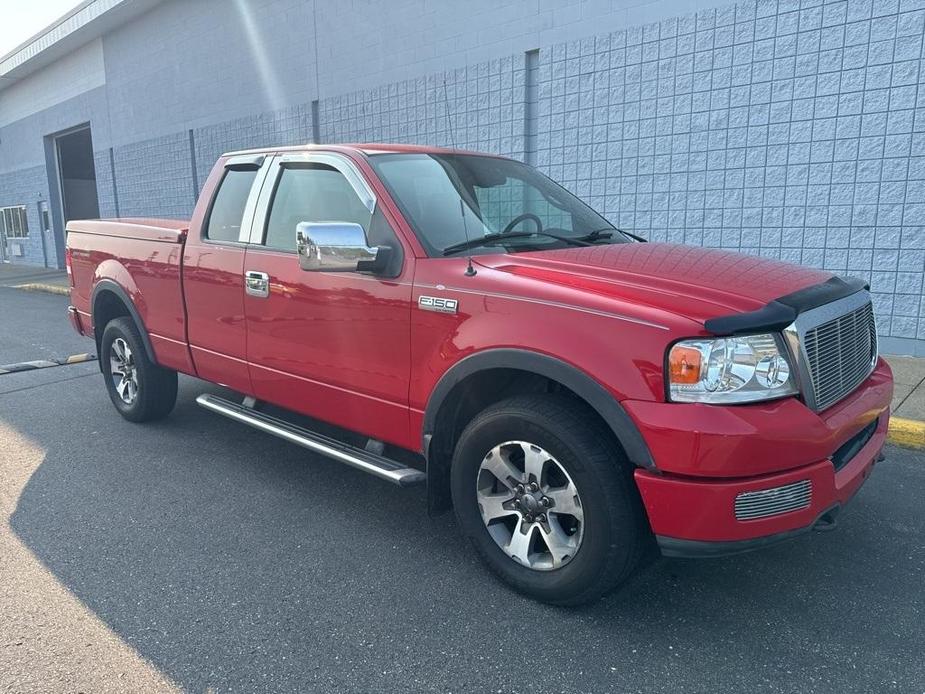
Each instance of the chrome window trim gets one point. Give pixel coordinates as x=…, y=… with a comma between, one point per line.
x=250, y=207
x=275, y=166
x=795, y=333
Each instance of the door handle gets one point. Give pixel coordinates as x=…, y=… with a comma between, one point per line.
x=257, y=284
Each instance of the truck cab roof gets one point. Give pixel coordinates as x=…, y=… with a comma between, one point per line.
x=363, y=148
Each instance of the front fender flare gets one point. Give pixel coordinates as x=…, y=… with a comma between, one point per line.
x=569, y=376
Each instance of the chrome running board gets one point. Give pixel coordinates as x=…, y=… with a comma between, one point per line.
x=377, y=465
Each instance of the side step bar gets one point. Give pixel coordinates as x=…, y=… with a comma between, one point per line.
x=377, y=465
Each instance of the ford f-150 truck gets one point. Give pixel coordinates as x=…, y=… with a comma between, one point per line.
x=579, y=397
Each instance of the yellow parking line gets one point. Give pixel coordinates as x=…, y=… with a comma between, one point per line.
x=906, y=432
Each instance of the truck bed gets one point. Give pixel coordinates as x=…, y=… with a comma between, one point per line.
x=143, y=228
x=142, y=257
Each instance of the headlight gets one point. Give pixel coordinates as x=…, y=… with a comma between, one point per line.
x=729, y=370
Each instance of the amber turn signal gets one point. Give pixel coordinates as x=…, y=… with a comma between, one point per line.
x=684, y=365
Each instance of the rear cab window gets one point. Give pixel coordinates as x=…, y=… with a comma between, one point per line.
x=227, y=211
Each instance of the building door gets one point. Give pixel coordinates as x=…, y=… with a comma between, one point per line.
x=77, y=174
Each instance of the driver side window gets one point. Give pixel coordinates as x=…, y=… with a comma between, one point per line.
x=311, y=193
x=502, y=203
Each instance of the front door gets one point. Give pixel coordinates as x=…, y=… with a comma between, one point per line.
x=331, y=345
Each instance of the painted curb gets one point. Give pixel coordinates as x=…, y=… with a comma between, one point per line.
x=45, y=363
x=909, y=433
x=40, y=287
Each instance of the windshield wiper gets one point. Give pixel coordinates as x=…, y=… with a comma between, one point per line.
x=606, y=233
x=497, y=237
x=596, y=235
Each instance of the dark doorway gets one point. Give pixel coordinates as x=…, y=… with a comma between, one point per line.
x=77, y=175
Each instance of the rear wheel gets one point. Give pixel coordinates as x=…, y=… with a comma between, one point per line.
x=547, y=499
x=140, y=389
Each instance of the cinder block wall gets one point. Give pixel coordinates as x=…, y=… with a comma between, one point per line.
x=792, y=129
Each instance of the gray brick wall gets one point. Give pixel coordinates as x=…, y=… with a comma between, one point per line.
x=785, y=129
x=481, y=107
x=26, y=187
x=22, y=142
x=792, y=129
x=105, y=184
x=192, y=64
x=287, y=126
x=154, y=177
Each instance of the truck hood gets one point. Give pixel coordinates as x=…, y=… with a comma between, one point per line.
x=696, y=283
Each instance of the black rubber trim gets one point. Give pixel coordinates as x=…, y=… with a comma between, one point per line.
x=677, y=548
x=781, y=312
x=846, y=452
x=111, y=286
x=245, y=162
x=577, y=381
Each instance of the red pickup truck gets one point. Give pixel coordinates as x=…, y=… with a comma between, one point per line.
x=578, y=396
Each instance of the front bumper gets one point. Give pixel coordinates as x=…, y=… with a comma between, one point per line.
x=695, y=514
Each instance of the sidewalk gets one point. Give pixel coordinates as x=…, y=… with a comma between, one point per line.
x=909, y=382
x=33, y=278
x=907, y=427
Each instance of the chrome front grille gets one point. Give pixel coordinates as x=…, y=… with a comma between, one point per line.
x=840, y=354
x=772, y=502
x=837, y=346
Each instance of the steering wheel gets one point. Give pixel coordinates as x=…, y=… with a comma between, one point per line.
x=522, y=218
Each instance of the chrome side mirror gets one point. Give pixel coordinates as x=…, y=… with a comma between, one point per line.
x=334, y=247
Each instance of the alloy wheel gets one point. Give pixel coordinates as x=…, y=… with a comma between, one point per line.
x=123, y=371
x=530, y=505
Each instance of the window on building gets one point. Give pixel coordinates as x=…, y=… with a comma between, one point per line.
x=227, y=214
x=13, y=222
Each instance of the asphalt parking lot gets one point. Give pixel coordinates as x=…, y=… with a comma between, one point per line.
x=198, y=555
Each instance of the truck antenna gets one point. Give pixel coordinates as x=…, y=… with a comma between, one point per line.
x=470, y=271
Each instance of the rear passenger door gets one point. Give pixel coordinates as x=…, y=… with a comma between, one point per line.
x=213, y=275
x=332, y=345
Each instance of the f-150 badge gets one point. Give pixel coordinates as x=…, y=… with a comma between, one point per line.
x=438, y=304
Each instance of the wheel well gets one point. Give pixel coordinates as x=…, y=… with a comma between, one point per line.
x=106, y=306
x=464, y=401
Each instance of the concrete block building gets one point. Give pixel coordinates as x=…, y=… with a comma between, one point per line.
x=793, y=129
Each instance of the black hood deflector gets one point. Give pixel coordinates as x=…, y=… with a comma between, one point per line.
x=781, y=312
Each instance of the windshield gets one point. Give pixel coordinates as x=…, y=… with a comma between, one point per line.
x=496, y=196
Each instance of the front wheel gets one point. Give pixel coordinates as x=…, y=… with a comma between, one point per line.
x=548, y=499
x=140, y=389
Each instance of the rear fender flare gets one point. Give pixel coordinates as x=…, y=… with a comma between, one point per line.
x=111, y=286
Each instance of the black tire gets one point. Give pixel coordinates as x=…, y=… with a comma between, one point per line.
x=615, y=530
x=156, y=386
